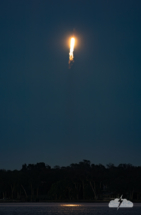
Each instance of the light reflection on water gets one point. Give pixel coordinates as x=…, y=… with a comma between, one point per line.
x=69, y=205
x=65, y=209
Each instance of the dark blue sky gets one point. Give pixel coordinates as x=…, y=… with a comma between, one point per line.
x=56, y=115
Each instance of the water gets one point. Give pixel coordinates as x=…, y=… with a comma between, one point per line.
x=65, y=209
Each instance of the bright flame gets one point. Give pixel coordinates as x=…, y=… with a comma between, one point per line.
x=71, y=48
x=72, y=43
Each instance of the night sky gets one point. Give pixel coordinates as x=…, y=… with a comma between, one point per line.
x=50, y=113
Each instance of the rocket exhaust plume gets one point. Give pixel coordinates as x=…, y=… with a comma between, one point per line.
x=71, y=57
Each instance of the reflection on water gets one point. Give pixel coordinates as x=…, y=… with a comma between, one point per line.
x=70, y=205
x=65, y=209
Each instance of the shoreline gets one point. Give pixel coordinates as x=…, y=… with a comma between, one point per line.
x=63, y=201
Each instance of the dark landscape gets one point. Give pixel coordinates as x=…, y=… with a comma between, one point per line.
x=83, y=181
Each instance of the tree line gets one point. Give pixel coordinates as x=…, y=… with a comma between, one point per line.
x=81, y=181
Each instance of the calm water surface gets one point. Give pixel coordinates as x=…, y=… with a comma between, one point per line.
x=65, y=209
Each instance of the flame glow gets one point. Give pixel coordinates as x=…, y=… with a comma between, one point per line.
x=70, y=205
x=71, y=57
